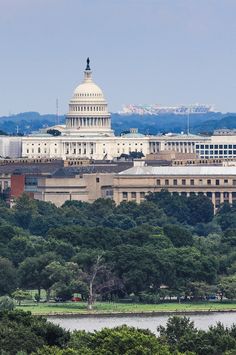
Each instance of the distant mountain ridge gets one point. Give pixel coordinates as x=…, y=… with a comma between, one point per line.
x=28, y=122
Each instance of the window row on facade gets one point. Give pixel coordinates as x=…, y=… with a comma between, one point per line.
x=215, y=146
x=193, y=182
x=88, y=95
x=87, y=108
x=180, y=143
x=217, y=197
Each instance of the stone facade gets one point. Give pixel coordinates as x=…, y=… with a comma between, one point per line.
x=216, y=182
x=84, y=187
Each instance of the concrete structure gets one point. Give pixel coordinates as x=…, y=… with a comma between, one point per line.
x=218, y=146
x=216, y=182
x=10, y=146
x=84, y=187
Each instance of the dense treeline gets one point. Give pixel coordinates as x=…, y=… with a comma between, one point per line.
x=168, y=246
x=22, y=334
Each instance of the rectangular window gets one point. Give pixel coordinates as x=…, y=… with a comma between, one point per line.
x=209, y=182
x=191, y=182
x=142, y=194
x=133, y=194
x=167, y=182
x=217, y=182
x=234, y=182
x=226, y=181
x=158, y=182
x=125, y=194
x=97, y=179
x=175, y=183
x=183, y=182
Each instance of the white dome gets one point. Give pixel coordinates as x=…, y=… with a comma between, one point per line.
x=88, y=111
x=87, y=91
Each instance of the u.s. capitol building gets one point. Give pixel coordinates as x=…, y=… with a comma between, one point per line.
x=88, y=134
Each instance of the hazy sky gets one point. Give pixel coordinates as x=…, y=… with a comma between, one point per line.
x=142, y=51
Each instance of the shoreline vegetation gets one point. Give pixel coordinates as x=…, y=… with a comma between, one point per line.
x=121, y=309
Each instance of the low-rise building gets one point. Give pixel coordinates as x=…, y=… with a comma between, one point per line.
x=216, y=182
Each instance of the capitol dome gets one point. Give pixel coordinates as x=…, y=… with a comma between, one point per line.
x=88, y=111
x=88, y=90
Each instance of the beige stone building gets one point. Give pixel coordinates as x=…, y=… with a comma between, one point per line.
x=216, y=182
x=86, y=188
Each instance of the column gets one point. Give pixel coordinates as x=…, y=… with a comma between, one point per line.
x=230, y=198
x=213, y=198
x=221, y=197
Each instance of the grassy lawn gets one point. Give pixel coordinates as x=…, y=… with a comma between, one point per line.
x=103, y=307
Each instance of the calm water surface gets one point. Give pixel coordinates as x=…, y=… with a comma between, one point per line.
x=202, y=321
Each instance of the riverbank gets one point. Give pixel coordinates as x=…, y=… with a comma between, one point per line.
x=120, y=309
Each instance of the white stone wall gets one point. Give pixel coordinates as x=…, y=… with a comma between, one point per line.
x=10, y=146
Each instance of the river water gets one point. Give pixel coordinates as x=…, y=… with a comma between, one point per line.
x=202, y=321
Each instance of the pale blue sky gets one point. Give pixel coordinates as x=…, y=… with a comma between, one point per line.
x=142, y=51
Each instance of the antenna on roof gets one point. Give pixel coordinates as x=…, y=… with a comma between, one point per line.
x=57, y=111
x=188, y=121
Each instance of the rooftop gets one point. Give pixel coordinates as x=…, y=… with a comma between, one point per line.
x=180, y=170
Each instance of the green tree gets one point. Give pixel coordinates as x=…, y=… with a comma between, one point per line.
x=6, y=303
x=8, y=280
x=54, y=132
x=179, y=235
x=120, y=340
x=20, y=331
x=24, y=210
x=34, y=274
x=201, y=209
x=21, y=295
x=227, y=286
x=54, y=350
